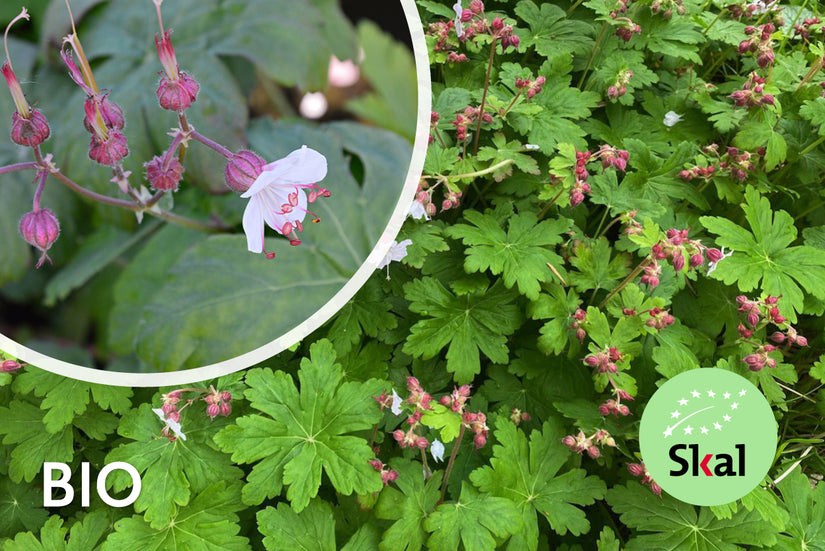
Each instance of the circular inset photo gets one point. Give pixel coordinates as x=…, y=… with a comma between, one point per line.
x=193, y=186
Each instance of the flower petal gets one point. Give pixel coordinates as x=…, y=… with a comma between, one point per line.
x=253, y=226
x=306, y=166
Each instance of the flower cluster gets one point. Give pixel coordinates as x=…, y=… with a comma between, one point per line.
x=609, y=157
x=530, y=87
x=591, y=444
x=387, y=475
x=659, y=319
x=759, y=43
x=477, y=423
x=752, y=93
x=577, y=324
x=217, y=402
x=424, y=205
x=676, y=247
x=733, y=162
x=605, y=360
x=759, y=314
x=517, y=416
x=463, y=121
x=420, y=400
x=809, y=25
x=639, y=470
x=667, y=7
x=619, y=86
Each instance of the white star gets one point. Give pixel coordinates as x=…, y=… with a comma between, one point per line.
x=668, y=432
x=688, y=430
x=675, y=414
x=711, y=394
x=734, y=405
x=717, y=426
x=704, y=430
x=695, y=394
x=742, y=392
x=726, y=417
x=726, y=395
x=683, y=402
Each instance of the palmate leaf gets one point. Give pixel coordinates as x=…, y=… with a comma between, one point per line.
x=23, y=425
x=468, y=324
x=65, y=399
x=208, y=523
x=368, y=313
x=472, y=521
x=521, y=253
x=502, y=151
x=551, y=31
x=21, y=508
x=806, y=506
x=299, y=434
x=528, y=475
x=84, y=535
x=557, y=306
x=409, y=506
x=676, y=525
x=170, y=471
x=595, y=268
x=763, y=255
x=311, y=530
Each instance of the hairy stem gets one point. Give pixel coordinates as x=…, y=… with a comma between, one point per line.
x=19, y=166
x=484, y=95
x=630, y=277
x=197, y=136
x=450, y=463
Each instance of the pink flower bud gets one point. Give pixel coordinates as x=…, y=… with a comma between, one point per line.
x=778, y=337
x=655, y=488
x=174, y=416
x=714, y=255
x=164, y=179
x=398, y=435
x=569, y=441
x=376, y=464
x=110, y=112
x=40, y=229
x=476, y=6
x=168, y=408
x=110, y=151
x=29, y=132
x=479, y=440
x=678, y=261
x=801, y=341
x=421, y=443
x=636, y=469
x=466, y=16
x=696, y=260
x=226, y=396
x=242, y=170
x=177, y=95
x=226, y=409
x=212, y=410
x=9, y=365
x=594, y=452
x=497, y=24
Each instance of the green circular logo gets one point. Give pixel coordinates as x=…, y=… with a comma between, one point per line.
x=708, y=436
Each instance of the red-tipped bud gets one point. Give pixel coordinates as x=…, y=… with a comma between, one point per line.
x=164, y=178
x=778, y=337
x=594, y=452
x=177, y=95
x=213, y=410
x=242, y=170
x=226, y=409
x=696, y=260
x=29, y=132
x=636, y=469
x=226, y=396
x=466, y=16
x=678, y=261
x=479, y=440
x=40, y=229
x=714, y=255
x=476, y=6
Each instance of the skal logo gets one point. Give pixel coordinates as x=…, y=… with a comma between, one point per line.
x=708, y=436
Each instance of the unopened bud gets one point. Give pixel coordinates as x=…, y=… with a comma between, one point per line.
x=177, y=95
x=9, y=365
x=40, y=229
x=164, y=179
x=242, y=170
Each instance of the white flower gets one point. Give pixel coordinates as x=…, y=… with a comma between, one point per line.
x=437, y=450
x=175, y=426
x=759, y=7
x=396, y=253
x=417, y=211
x=395, y=408
x=671, y=118
x=712, y=265
x=531, y=147
x=277, y=196
x=459, y=28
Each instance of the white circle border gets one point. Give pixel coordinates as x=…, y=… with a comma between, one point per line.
x=316, y=320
